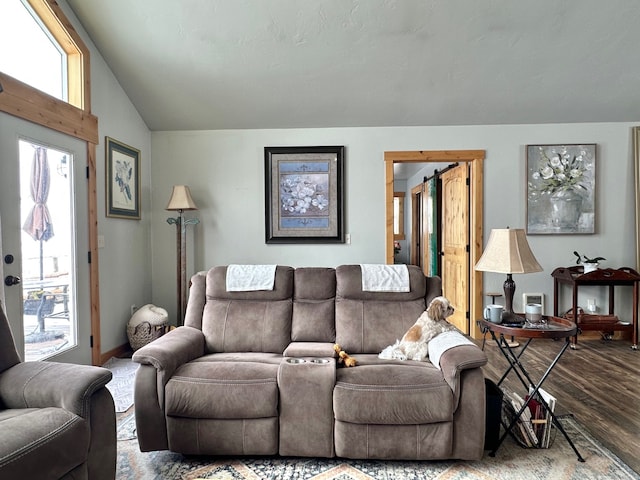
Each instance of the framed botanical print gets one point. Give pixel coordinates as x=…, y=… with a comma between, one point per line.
x=122, y=180
x=304, y=193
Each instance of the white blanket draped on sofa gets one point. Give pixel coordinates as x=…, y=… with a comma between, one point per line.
x=385, y=278
x=443, y=342
x=247, y=278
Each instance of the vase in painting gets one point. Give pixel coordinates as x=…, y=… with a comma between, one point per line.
x=566, y=207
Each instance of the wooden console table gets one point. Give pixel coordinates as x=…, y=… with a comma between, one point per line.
x=575, y=277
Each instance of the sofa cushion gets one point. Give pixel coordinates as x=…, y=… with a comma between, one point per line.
x=37, y=440
x=314, y=305
x=219, y=389
x=392, y=394
x=367, y=322
x=254, y=321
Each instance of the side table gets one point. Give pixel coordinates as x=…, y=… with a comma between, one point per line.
x=608, y=277
x=555, y=328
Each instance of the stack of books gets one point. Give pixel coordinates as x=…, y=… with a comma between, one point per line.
x=533, y=428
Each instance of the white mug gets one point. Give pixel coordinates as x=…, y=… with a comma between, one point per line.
x=533, y=313
x=493, y=313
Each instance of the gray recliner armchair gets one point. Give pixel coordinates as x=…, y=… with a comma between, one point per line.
x=57, y=421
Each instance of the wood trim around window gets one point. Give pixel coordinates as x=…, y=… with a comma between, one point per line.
x=79, y=86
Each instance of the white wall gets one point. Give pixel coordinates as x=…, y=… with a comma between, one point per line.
x=225, y=170
x=125, y=260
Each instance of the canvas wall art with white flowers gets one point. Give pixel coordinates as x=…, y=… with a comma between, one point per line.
x=561, y=189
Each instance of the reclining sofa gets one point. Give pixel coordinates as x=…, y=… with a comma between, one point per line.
x=57, y=420
x=255, y=373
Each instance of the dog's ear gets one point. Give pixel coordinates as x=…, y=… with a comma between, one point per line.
x=436, y=310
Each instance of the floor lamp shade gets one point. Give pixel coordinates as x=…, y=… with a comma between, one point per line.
x=181, y=199
x=508, y=251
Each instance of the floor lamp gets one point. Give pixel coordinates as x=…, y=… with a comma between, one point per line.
x=508, y=252
x=180, y=201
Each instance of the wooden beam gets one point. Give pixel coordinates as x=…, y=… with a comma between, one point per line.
x=94, y=270
x=23, y=101
x=440, y=156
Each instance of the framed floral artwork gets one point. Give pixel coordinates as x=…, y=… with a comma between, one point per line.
x=122, y=180
x=561, y=183
x=304, y=193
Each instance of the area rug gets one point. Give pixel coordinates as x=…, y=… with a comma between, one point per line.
x=511, y=462
x=121, y=385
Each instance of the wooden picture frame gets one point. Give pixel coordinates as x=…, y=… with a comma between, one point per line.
x=122, y=175
x=304, y=194
x=561, y=184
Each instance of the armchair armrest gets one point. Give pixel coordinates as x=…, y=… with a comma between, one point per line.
x=51, y=384
x=171, y=350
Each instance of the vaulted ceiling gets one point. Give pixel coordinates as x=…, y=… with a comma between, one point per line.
x=226, y=64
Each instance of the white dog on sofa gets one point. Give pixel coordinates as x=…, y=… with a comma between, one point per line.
x=415, y=343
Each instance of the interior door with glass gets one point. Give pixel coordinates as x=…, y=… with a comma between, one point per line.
x=43, y=203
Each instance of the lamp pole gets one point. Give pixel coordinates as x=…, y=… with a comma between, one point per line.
x=181, y=261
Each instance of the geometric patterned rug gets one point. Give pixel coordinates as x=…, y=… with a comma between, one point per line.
x=121, y=385
x=511, y=462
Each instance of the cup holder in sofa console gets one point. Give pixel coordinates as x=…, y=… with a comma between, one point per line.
x=319, y=361
x=295, y=361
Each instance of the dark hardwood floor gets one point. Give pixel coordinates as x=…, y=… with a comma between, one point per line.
x=599, y=383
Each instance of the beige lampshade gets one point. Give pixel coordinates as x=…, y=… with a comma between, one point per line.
x=508, y=251
x=181, y=199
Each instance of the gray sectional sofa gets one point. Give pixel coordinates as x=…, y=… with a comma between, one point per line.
x=255, y=373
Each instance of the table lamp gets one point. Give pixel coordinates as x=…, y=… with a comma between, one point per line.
x=508, y=252
x=180, y=201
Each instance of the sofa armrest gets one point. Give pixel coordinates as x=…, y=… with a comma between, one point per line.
x=51, y=384
x=171, y=350
x=457, y=359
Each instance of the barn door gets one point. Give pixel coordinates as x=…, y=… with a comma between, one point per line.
x=455, y=243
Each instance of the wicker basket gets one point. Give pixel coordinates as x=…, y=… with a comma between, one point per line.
x=147, y=324
x=143, y=334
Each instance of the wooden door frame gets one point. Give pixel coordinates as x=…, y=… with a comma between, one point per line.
x=475, y=158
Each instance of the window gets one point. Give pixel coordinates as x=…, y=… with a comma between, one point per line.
x=42, y=53
x=45, y=67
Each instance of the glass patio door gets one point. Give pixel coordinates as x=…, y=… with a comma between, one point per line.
x=43, y=196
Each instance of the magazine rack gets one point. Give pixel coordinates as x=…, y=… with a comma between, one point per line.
x=555, y=328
